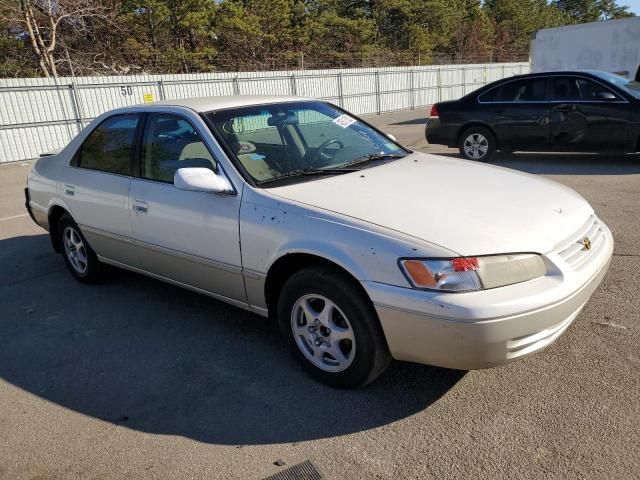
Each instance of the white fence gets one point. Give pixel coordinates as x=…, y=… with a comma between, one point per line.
x=43, y=114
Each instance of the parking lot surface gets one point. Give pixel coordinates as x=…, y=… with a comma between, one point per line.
x=135, y=378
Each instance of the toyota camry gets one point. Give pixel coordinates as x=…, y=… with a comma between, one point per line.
x=359, y=249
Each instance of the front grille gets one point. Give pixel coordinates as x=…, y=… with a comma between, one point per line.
x=573, y=251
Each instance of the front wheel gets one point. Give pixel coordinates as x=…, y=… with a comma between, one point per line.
x=332, y=328
x=477, y=143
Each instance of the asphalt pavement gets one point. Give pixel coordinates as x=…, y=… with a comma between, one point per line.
x=135, y=378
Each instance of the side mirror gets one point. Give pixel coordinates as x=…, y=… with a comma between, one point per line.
x=606, y=96
x=392, y=137
x=197, y=179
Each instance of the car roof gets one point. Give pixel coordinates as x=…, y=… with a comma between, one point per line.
x=554, y=72
x=207, y=104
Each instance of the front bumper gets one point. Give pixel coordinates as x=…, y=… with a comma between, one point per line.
x=488, y=328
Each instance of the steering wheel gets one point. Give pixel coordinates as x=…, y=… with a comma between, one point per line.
x=319, y=152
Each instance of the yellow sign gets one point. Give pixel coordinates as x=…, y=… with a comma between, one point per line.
x=148, y=97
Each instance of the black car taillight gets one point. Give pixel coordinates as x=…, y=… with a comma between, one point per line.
x=434, y=111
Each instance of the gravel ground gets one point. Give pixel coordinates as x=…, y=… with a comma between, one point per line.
x=138, y=379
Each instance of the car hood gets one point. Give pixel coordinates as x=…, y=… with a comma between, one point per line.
x=468, y=207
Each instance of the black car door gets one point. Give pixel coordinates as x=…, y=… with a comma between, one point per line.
x=587, y=116
x=518, y=112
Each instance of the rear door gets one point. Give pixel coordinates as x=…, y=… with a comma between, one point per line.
x=97, y=188
x=582, y=119
x=518, y=112
x=185, y=236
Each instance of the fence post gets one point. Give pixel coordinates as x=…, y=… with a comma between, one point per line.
x=378, y=92
x=340, y=94
x=161, y=90
x=412, y=100
x=294, y=90
x=236, y=86
x=439, y=84
x=464, y=81
x=502, y=71
x=76, y=106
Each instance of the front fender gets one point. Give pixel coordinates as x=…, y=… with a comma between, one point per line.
x=271, y=228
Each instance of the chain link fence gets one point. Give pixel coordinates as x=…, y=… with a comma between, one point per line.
x=43, y=114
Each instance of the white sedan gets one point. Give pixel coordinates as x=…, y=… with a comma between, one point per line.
x=292, y=208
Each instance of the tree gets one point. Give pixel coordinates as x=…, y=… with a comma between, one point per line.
x=42, y=20
x=515, y=20
x=581, y=11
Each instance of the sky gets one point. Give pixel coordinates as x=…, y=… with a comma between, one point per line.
x=634, y=5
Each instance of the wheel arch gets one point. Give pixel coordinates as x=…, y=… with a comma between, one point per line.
x=55, y=212
x=289, y=264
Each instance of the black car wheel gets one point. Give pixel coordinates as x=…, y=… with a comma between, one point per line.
x=477, y=143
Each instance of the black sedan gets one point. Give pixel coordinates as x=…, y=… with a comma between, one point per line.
x=583, y=111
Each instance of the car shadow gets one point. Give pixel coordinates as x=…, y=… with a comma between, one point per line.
x=564, y=163
x=152, y=357
x=413, y=121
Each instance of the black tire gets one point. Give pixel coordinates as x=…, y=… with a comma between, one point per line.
x=92, y=271
x=370, y=352
x=486, y=144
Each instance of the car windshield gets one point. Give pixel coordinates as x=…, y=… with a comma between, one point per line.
x=300, y=139
x=630, y=86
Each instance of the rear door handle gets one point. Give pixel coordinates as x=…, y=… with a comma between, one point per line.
x=70, y=190
x=140, y=206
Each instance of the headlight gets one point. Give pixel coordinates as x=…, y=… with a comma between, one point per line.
x=472, y=273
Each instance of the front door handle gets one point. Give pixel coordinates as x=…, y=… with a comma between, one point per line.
x=140, y=206
x=566, y=107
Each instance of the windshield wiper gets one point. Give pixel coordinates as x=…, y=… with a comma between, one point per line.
x=308, y=172
x=372, y=157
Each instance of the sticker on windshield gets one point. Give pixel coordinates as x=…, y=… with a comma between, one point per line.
x=344, y=121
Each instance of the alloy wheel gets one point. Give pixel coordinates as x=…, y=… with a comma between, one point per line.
x=323, y=333
x=476, y=146
x=75, y=249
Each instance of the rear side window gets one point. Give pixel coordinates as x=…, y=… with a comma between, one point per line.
x=526, y=90
x=109, y=147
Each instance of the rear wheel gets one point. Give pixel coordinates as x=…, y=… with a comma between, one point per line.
x=477, y=143
x=332, y=328
x=76, y=251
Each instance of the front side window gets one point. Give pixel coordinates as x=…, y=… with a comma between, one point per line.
x=279, y=140
x=171, y=142
x=109, y=147
x=578, y=89
x=631, y=87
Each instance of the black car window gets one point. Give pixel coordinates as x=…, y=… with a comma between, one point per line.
x=529, y=90
x=171, y=142
x=109, y=147
x=565, y=89
x=590, y=90
x=489, y=95
x=525, y=90
x=577, y=89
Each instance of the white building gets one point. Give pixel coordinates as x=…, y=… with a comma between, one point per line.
x=612, y=46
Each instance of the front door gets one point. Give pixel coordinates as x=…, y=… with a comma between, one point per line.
x=191, y=238
x=583, y=119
